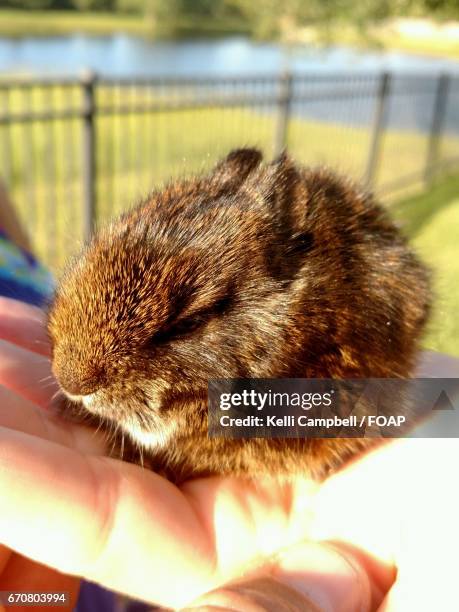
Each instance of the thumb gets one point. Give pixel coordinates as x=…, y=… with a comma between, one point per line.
x=308, y=577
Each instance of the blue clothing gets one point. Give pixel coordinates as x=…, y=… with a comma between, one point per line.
x=21, y=276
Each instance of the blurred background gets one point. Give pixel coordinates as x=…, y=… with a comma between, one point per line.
x=102, y=100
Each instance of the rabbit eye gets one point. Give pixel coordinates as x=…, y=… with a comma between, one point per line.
x=188, y=325
x=182, y=328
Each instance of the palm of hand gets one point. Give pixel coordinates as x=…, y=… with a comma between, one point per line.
x=68, y=511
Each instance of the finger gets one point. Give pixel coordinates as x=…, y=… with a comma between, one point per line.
x=264, y=594
x=331, y=576
x=427, y=556
x=305, y=578
x=25, y=576
x=393, y=491
x=27, y=373
x=119, y=525
x=110, y=522
x=24, y=325
x=364, y=494
x=5, y=555
x=21, y=415
x=430, y=587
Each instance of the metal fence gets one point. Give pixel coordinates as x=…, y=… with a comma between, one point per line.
x=75, y=151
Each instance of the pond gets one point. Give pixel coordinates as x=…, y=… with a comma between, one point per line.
x=125, y=55
x=128, y=55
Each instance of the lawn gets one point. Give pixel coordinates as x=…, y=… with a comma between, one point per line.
x=47, y=23
x=43, y=166
x=431, y=220
x=43, y=162
x=383, y=35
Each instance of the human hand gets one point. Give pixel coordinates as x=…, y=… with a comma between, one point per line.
x=132, y=531
x=113, y=523
x=391, y=516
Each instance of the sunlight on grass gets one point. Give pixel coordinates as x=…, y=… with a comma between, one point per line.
x=46, y=23
x=43, y=164
x=431, y=220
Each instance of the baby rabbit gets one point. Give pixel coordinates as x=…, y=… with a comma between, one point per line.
x=254, y=270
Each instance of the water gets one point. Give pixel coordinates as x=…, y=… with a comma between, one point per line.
x=128, y=55
x=124, y=55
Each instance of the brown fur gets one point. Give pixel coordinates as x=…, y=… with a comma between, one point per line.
x=255, y=270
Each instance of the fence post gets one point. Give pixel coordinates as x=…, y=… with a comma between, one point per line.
x=438, y=117
x=378, y=128
x=284, y=104
x=88, y=82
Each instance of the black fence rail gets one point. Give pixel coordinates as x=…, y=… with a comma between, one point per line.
x=75, y=151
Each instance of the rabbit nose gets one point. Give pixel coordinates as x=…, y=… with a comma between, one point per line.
x=76, y=381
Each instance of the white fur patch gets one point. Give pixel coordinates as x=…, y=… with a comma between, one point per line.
x=88, y=400
x=150, y=439
x=156, y=438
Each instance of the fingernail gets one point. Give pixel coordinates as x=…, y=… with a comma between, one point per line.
x=262, y=594
x=333, y=580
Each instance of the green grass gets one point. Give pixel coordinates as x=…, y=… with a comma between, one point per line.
x=434, y=44
x=47, y=23
x=431, y=220
x=380, y=36
x=43, y=165
x=43, y=162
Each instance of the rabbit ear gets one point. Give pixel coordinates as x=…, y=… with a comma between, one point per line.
x=283, y=191
x=236, y=167
x=280, y=189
